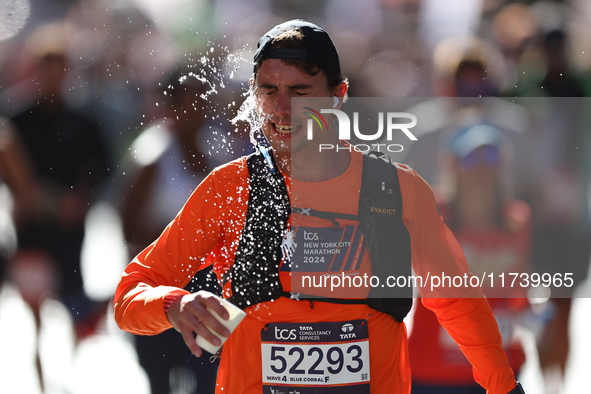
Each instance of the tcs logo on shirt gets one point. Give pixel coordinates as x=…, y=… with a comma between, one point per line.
x=310, y=236
x=285, y=334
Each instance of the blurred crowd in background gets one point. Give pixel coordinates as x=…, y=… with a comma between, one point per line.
x=112, y=111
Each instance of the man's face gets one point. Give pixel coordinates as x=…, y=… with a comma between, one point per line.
x=275, y=85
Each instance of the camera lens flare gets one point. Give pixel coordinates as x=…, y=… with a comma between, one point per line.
x=13, y=16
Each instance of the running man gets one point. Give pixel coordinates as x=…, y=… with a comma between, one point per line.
x=242, y=214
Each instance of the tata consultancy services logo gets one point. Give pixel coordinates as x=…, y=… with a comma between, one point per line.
x=345, y=129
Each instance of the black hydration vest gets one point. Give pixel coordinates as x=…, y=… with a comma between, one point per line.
x=254, y=275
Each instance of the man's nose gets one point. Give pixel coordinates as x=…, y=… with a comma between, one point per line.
x=282, y=108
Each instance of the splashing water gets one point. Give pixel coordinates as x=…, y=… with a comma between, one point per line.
x=212, y=69
x=216, y=69
x=248, y=113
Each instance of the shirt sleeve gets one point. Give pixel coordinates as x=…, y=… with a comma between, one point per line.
x=461, y=310
x=169, y=263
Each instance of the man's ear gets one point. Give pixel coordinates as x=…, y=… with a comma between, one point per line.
x=251, y=83
x=339, y=93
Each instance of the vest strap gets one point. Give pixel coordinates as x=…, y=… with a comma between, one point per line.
x=254, y=275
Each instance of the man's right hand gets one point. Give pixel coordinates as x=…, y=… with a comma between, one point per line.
x=188, y=314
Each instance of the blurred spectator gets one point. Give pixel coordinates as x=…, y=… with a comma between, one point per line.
x=515, y=30
x=15, y=203
x=117, y=53
x=467, y=78
x=70, y=164
x=559, y=79
x=557, y=189
x=30, y=275
x=33, y=273
x=467, y=66
x=494, y=232
x=16, y=181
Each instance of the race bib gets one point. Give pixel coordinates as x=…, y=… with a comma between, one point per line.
x=321, y=358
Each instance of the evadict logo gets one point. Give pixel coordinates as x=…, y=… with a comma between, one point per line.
x=345, y=129
x=371, y=204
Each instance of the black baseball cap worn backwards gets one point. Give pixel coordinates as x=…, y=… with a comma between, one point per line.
x=319, y=51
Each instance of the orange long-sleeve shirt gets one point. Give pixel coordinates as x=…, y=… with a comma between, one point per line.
x=207, y=231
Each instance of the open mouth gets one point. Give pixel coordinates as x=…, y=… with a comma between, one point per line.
x=285, y=130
